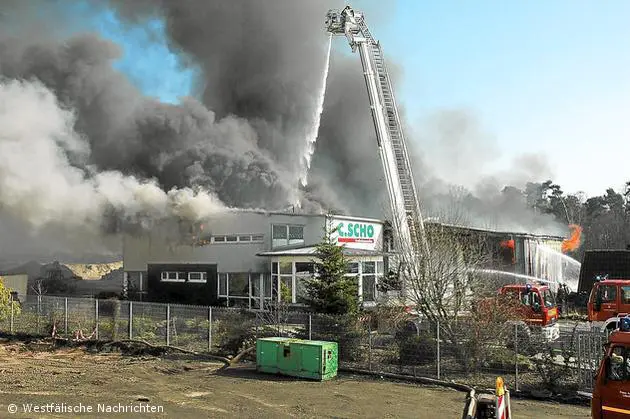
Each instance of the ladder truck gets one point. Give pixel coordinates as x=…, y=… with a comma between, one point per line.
x=405, y=208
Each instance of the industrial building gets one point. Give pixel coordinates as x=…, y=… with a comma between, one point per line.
x=242, y=258
x=17, y=284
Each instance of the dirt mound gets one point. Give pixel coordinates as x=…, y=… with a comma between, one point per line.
x=93, y=270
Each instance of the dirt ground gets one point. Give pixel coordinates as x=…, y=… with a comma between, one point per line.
x=71, y=380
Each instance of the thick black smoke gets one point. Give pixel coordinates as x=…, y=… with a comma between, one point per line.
x=242, y=141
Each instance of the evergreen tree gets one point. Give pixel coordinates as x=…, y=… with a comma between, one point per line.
x=329, y=290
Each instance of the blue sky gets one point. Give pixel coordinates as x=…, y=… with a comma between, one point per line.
x=146, y=57
x=547, y=76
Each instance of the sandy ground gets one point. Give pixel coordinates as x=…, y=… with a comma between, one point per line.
x=193, y=389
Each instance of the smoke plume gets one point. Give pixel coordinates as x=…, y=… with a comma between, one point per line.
x=87, y=153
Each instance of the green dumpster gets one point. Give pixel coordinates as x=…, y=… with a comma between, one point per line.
x=311, y=359
x=267, y=351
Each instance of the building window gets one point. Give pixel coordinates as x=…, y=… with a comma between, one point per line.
x=169, y=276
x=234, y=285
x=223, y=285
x=172, y=276
x=244, y=289
x=296, y=235
x=352, y=268
x=368, y=274
x=291, y=277
x=238, y=285
x=197, y=277
x=241, y=238
x=303, y=272
x=286, y=235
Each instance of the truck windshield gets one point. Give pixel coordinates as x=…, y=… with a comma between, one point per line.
x=548, y=298
x=619, y=369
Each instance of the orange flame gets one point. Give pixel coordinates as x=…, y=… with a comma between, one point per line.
x=573, y=242
x=509, y=244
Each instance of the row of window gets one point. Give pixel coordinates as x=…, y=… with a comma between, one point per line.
x=288, y=275
x=242, y=238
x=291, y=277
x=171, y=276
x=282, y=235
x=244, y=285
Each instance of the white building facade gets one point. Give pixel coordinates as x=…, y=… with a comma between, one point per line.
x=250, y=258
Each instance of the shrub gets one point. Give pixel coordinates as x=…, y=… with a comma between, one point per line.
x=417, y=350
x=234, y=331
x=348, y=331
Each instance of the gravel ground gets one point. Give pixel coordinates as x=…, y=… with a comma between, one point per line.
x=73, y=378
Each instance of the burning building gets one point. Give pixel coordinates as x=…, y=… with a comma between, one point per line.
x=242, y=258
x=516, y=256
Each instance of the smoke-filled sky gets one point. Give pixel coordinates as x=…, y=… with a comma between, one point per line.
x=114, y=114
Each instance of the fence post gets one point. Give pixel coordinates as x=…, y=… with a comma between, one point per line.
x=11, y=326
x=39, y=313
x=516, y=357
x=370, y=346
x=168, y=325
x=96, y=320
x=579, y=362
x=437, y=335
x=130, y=319
x=65, y=316
x=310, y=326
x=209, y=329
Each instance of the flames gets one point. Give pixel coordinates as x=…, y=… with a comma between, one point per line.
x=574, y=241
x=509, y=244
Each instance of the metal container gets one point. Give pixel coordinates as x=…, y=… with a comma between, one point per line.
x=317, y=360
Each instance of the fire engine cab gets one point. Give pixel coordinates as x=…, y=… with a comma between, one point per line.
x=611, y=395
x=608, y=302
x=537, y=307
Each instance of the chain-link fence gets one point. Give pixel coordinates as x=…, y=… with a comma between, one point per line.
x=454, y=351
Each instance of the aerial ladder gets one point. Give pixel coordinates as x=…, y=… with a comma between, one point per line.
x=406, y=216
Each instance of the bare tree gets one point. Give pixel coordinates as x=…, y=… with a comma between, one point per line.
x=39, y=287
x=446, y=287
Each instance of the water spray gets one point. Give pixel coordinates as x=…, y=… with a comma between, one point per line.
x=311, y=137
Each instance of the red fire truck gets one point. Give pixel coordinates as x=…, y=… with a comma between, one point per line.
x=609, y=301
x=611, y=395
x=537, y=307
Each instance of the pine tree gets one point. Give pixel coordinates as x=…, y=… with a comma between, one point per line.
x=329, y=290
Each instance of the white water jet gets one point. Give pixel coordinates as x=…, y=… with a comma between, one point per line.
x=560, y=255
x=514, y=275
x=313, y=132
x=546, y=262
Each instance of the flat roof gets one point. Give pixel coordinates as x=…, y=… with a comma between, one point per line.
x=297, y=213
x=497, y=232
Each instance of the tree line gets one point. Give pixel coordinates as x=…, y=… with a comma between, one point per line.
x=605, y=219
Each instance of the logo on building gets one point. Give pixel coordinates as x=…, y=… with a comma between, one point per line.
x=355, y=233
